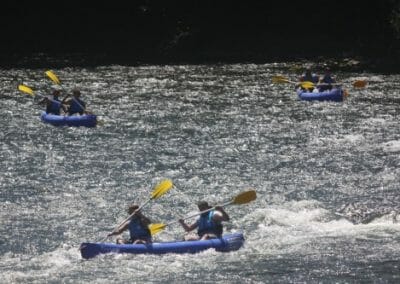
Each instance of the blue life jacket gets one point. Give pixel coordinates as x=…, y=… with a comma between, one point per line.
x=327, y=80
x=138, y=231
x=206, y=225
x=54, y=106
x=76, y=106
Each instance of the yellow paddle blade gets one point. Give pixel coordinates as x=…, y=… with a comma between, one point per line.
x=53, y=77
x=359, y=84
x=283, y=79
x=307, y=85
x=26, y=89
x=161, y=188
x=345, y=93
x=156, y=228
x=245, y=197
x=280, y=79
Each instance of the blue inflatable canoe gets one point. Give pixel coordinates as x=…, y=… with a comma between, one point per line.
x=335, y=95
x=230, y=242
x=87, y=120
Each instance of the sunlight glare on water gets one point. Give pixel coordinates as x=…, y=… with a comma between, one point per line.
x=215, y=131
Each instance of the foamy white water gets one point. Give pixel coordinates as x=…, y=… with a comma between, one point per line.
x=215, y=131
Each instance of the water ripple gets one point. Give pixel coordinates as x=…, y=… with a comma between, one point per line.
x=326, y=174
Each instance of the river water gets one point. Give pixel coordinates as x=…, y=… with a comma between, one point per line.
x=215, y=131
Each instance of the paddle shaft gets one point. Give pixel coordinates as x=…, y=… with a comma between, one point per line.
x=199, y=213
x=282, y=79
x=46, y=97
x=242, y=198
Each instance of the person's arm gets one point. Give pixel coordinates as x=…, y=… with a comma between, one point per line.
x=66, y=100
x=187, y=227
x=64, y=108
x=220, y=214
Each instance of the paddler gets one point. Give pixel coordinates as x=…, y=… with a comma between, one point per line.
x=138, y=227
x=209, y=225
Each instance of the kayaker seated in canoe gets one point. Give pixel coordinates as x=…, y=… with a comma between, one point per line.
x=138, y=227
x=325, y=83
x=209, y=225
x=308, y=76
x=53, y=103
x=74, y=103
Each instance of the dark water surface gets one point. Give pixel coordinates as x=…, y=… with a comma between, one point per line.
x=216, y=131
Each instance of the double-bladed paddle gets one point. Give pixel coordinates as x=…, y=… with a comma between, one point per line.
x=241, y=198
x=283, y=79
x=308, y=84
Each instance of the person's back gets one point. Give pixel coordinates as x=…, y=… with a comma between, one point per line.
x=54, y=105
x=207, y=225
x=138, y=229
x=76, y=105
x=326, y=81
